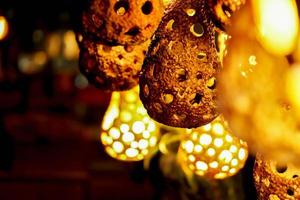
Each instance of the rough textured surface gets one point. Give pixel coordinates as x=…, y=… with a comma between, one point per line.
x=178, y=86
x=122, y=21
x=111, y=68
x=275, y=182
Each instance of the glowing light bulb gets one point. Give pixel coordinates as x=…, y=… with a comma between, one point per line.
x=209, y=154
x=277, y=23
x=128, y=138
x=3, y=28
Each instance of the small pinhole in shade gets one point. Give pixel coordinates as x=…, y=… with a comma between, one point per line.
x=226, y=10
x=295, y=176
x=196, y=99
x=121, y=7
x=281, y=168
x=133, y=31
x=290, y=192
x=147, y=7
x=181, y=75
x=197, y=29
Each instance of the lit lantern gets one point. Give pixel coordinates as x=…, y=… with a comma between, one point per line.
x=3, y=28
x=128, y=133
x=178, y=81
x=254, y=101
x=277, y=23
x=212, y=151
x=274, y=181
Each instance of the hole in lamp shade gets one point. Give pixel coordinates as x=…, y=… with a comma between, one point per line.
x=290, y=192
x=168, y=98
x=133, y=31
x=281, y=168
x=181, y=75
x=190, y=12
x=217, y=41
x=147, y=7
x=212, y=83
x=226, y=10
x=120, y=56
x=171, y=24
x=128, y=48
x=197, y=99
x=199, y=75
x=197, y=30
x=295, y=176
x=121, y=7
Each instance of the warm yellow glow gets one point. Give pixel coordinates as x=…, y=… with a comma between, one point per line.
x=233, y=149
x=134, y=144
x=71, y=49
x=225, y=156
x=143, y=144
x=218, y=142
x=220, y=175
x=277, y=22
x=201, y=165
x=132, y=152
x=198, y=148
x=189, y=146
x=214, y=164
x=54, y=43
x=3, y=28
x=242, y=154
x=138, y=127
x=128, y=137
x=228, y=138
x=128, y=133
x=167, y=2
x=292, y=86
x=114, y=133
x=118, y=147
x=40, y=58
x=124, y=128
x=192, y=158
x=190, y=12
x=212, y=151
x=32, y=63
x=257, y=106
x=232, y=171
x=218, y=129
x=205, y=139
x=234, y=162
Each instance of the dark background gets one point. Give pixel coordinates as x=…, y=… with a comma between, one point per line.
x=50, y=121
